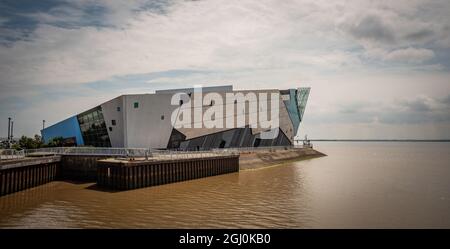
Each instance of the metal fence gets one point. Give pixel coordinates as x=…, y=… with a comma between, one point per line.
x=175, y=155
x=268, y=148
x=136, y=152
x=94, y=151
x=129, y=152
x=7, y=154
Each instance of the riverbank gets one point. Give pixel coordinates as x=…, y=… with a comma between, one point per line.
x=257, y=159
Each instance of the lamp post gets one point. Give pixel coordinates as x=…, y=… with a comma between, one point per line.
x=9, y=132
x=43, y=127
x=12, y=129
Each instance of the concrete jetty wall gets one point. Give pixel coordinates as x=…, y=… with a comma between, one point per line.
x=263, y=158
x=80, y=167
x=20, y=174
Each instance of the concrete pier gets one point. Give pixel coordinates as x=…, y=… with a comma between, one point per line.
x=115, y=173
x=254, y=159
x=124, y=175
x=123, y=172
x=80, y=167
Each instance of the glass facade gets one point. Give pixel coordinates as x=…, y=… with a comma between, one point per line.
x=302, y=98
x=290, y=101
x=93, y=128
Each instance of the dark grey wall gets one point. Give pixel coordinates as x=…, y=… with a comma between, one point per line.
x=239, y=137
x=82, y=168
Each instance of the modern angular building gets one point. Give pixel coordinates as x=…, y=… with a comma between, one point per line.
x=150, y=120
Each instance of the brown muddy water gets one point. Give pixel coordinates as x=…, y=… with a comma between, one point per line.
x=358, y=185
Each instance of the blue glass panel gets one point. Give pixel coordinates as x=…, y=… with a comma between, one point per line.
x=66, y=129
x=302, y=98
x=291, y=106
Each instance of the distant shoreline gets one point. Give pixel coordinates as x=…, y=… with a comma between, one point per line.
x=380, y=140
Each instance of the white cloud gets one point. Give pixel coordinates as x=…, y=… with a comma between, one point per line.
x=212, y=35
x=410, y=55
x=336, y=47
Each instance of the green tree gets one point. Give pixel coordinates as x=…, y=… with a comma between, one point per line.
x=27, y=143
x=15, y=147
x=38, y=141
x=55, y=142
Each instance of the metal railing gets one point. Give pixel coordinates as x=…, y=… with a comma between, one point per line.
x=269, y=148
x=137, y=152
x=94, y=151
x=129, y=152
x=6, y=154
x=176, y=154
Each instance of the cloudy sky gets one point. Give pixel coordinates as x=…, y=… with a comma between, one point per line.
x=378, y=69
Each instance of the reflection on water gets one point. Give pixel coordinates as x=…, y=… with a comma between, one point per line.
x=356, y=185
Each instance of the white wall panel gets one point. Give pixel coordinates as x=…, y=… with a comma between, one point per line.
x=111, y=112
x=144, y=127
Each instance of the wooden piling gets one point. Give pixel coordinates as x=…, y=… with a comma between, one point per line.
x=125, y=175
x=20, y=175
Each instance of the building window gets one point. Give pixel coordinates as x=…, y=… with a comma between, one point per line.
x=162, y=117
x=181, y=101
x=93, y=128
x=113, y=122
x=136, y=104
x=110, y=128
x=118, y=108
